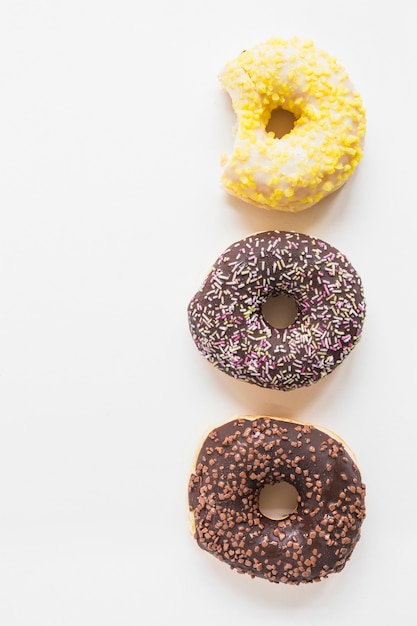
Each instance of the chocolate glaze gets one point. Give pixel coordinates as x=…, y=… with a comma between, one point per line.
x=237, y=459
x=229, y=329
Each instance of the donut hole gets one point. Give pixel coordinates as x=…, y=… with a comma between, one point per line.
x=278, y=500
x=280, y=311
x=281, y=122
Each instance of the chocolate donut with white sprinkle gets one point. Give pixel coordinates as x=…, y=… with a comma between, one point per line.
x=237, y=460
x=227, y=322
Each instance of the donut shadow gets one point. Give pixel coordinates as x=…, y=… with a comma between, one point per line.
x=325, y=214
x=271, y=595
x=252, y=399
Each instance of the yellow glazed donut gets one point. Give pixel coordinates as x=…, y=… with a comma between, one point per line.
x=323, y=148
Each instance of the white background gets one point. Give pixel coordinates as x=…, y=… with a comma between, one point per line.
x=112, y=123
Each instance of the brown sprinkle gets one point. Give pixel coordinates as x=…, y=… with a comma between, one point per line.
x=306, y=546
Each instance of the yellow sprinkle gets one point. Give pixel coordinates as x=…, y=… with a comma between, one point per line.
x=325, y=145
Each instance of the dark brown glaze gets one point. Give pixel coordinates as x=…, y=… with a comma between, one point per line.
x=228, y=326
x=237, y=459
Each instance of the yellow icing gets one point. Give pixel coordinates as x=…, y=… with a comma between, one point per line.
x=325, y=145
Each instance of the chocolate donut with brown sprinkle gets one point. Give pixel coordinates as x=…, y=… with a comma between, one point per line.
x=237, y=460
x=229, y=328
